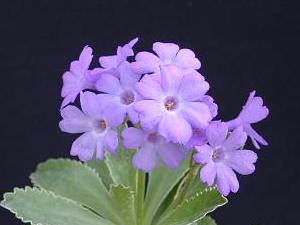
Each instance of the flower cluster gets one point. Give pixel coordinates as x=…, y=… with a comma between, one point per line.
x=164, y=100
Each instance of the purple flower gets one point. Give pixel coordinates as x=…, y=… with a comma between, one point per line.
x=75, y=80
x=97, y=121
x=221, y=157
x=168, y=53
x=111, y=63
x=150, y=147
x=198, y=138
x=252, y=112
x=121, y=91
x=173, y=103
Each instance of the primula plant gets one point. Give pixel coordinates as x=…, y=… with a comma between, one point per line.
x=151, y=148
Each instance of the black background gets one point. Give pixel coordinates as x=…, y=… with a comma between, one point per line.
x=243, y=45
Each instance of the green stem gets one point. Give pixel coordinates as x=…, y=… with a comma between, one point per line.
x=187, y=182
x=140, y=194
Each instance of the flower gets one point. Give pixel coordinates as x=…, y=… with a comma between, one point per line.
x=198, y=138
x=121, y=91
x=111, y=63
x=150, y=147
x=221, y=157
x=252, y=112
x=173, y=103
x=75, y=80
x=167, y=53
x=97, y=121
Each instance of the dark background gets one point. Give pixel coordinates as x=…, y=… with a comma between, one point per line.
x=243, y=45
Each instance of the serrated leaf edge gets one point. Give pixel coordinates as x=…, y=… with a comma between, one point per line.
x=92, y=170
x=208, y=189
x=27, y=189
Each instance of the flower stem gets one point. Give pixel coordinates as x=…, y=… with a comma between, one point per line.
x=140, y=194
x=187, y=182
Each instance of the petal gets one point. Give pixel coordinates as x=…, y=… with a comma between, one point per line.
x=208, y=173
x=170, y=154
x=147, y=57
x=84, y=146
x=145, y=158
x=110, y=141
x=216, y=133
x=68, y=99
x=203, y=154
x=114, y=113
x=133, y=115
x=185, y=58
x=69, y=84
x=124, y=51
x=195, y=141
x=146, y=62
x=91, y=104
x=86, y=57
x=199, y=87
x=197, y=114
x=149, y=87
x=175, y=128
x=99, y=150
x=94, y=74
x=226, y=179
x=166, y=51
x=76, y=69
x=133, y=137
x=72, y=85
x=236, y=139
x=171, y=79
x=74, y=121
x=108, y=61
x=213, y=107
x=255, y=137
x=108, y=84
x=254, y=111
x=127, y=77
x=242, y=161
x=150, y=112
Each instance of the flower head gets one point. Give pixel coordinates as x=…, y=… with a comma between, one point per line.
x=97, y=121
x=151, y=147
x=121, y=91
x=253, y=112
x=167, y=53
x=76, y=80
x=173, y=103
x=222, y=156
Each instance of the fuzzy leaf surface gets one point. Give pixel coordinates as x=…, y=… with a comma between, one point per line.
x=194, y=208
x=123, y=199
x=161, y=182
x=76, y=181
x=39, y=207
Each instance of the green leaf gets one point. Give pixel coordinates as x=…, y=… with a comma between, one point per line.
x=40, y=207
x=100, y=167
x=76, y=181
x=196, y=186
x=161, y=181
x=123, y=199
x=121, y=169
x=194, y=208
x=206, y=221
x=120, y=165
